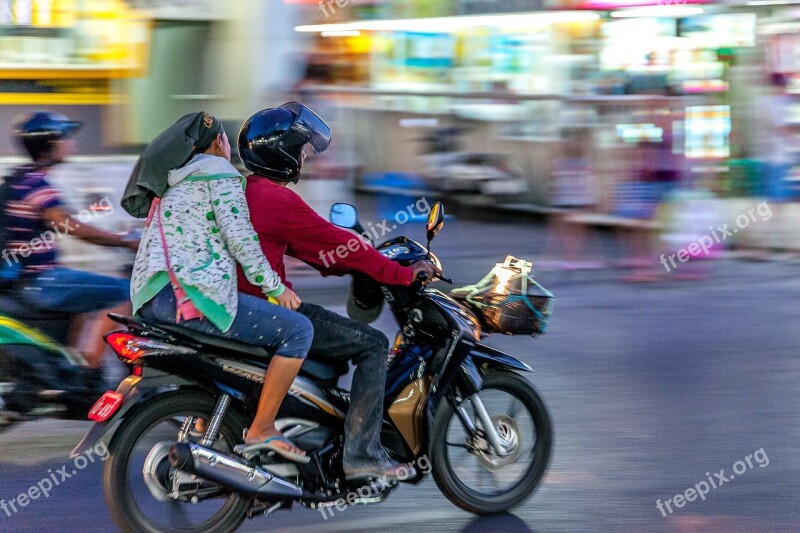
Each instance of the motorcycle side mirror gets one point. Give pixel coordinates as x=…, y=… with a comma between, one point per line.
x=345, y=216
x=435, y=221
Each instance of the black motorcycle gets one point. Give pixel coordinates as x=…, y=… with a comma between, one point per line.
x=453, y=407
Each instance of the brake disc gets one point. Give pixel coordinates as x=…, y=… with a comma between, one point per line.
x=510, y=438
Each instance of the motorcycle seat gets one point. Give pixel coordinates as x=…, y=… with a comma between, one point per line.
x=13, y=307
x=254, y=354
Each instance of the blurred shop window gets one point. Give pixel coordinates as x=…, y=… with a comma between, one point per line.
x=44, y=34
x=315, y=72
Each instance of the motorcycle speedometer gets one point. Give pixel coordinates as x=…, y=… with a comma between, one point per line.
x=394, y=250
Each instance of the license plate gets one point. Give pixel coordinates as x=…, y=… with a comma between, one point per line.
x=106, y=406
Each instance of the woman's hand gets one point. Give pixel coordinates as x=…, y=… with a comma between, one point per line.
x=289, y=299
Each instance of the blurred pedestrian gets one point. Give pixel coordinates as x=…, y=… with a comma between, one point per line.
x=573, y=190
x=657, y=172
x=777, y=148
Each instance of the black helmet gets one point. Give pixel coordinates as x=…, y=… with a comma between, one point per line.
x=40, y=130
x=271, y=141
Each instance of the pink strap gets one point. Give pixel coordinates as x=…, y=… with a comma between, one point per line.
x=185, y=309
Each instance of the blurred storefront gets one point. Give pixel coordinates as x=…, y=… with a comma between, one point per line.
x=520, y=74
x=69, y=55
x=126, y=68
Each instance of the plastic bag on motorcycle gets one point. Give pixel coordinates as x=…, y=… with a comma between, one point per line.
x=508, y=300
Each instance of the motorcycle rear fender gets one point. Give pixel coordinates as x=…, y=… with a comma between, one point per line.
x=133, y=389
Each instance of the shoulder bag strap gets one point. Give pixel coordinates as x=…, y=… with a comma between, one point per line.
x=184, y=308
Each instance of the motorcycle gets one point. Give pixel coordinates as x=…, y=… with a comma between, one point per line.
x=472, y=178
x=39, y=375
x=451, y=403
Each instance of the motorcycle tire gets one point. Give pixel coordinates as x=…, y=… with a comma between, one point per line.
x=444, y=472
x=117, y=491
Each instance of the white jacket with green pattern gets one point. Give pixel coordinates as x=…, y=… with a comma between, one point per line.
x=207, y=228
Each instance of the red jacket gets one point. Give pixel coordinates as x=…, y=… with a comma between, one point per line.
x=286, y=225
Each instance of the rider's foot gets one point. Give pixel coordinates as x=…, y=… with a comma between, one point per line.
x=271, y=433
x=199, y=429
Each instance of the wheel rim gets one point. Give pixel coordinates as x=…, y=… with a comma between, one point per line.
x=475, y=465
x=149, y=480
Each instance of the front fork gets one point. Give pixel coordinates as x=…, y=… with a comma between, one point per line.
x=472, y=382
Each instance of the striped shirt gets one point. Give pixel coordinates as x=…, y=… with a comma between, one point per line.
x=30, y=238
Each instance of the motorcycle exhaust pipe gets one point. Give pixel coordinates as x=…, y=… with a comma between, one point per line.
x=228, y=472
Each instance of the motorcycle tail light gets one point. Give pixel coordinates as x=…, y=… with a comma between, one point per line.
x=129, y=347
x=124, y=345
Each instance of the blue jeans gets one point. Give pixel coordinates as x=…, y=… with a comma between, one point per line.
x=338, y=338
x=73, y=291
x=257, y=322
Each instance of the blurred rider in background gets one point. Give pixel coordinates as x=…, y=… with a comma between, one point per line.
x=36, y=218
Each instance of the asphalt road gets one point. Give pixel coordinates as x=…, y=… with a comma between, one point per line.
x=653, y=389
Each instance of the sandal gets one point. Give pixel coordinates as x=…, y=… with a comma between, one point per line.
x=269, y=444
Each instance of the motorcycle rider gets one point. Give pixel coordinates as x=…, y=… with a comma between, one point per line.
x=271, y=145
x=35, y=216
x=198, y=229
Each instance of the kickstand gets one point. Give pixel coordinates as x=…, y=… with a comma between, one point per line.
x=261, y=509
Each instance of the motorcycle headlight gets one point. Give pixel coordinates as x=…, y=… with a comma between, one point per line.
x=435, y=261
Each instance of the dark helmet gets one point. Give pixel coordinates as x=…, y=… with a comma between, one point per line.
x=40, y=130
x=271, y=141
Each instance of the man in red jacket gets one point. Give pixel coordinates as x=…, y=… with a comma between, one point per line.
x=271, y=145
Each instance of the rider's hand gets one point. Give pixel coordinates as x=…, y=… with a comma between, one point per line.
x=132, y=245
x=427, y=267
x=289, y=299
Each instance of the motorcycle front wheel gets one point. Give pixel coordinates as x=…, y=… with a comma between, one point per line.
x=466, y=467
x=138, y=481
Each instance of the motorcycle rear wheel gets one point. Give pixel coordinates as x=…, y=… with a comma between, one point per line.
x=448, y=434
x=122, y=500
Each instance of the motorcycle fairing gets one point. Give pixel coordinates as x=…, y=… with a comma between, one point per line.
x=13, y=332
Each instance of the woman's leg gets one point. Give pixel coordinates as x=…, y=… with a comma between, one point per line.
x=259, y=323
x=280, y=375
